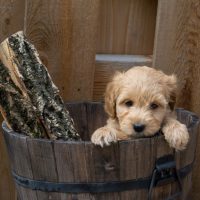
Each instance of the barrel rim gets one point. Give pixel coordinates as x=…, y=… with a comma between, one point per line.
x=11, y=132
x=195, y=121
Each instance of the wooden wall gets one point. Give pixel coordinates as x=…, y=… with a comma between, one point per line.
x=12, y=17
x=125, y=38
x=177, y=50
x=108, y=64
x=64, y=32
x=127, y=27
x=11, y=20
x=69, y=33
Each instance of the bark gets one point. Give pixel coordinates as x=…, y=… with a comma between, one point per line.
x=35, y=84
x=16, y=109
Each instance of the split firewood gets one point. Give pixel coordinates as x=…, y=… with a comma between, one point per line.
x=31, y=78
x=16, y=109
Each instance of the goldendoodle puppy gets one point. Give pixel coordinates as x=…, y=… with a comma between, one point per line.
x=140, y=102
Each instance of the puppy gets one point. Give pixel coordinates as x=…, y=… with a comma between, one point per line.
x=139, y=103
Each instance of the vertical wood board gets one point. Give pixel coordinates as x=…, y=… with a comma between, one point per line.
x=127, y=27
x=177, y=50
x=64, y=32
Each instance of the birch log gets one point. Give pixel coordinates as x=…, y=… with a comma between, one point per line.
x=31, y=77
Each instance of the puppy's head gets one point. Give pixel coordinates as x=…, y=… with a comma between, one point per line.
x=140, y=99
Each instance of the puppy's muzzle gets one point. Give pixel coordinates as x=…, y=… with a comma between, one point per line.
x=139, y=127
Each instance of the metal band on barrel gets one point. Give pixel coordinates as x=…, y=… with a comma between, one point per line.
x=91, y=187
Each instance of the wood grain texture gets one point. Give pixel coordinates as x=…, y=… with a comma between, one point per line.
x=107, y=65
x=7, y=188
x=127, y=159
x=42, y=158
x=12, y=20
x=127, y=27
x=96, y=117
x=162, y=192
x=187, y=157
x=12, y=17
x=20, y=163
x=61, y=161
x=177, y=50
x=80, y=121
x=64, y=32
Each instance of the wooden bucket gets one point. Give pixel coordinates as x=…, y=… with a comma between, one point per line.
x=60, y=170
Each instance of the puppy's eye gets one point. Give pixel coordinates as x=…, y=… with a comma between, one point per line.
x=128, y=103
x=153, y=106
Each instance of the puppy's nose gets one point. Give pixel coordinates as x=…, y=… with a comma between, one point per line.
x=138, y=127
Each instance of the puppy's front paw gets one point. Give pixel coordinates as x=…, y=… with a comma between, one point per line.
x=177, y=135
x=103, y=136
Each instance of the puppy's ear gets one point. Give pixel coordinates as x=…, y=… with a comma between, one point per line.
x=171, y=89
x=111, y=94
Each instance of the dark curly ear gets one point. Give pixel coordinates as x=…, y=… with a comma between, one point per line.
x=111, y=94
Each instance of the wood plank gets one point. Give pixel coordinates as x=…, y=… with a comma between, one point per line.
x=128, y=166
x=81, y=170
x=73, y=166
x=12, y=20
x=7, y=187
x=12, y=17
x=177, y=37
x=103, y=162
x=177, y=50
x=64, y=32
x=107, y=168
x=145, y=159
x=96, y=117
x=108, y=64
x=78, y=113
x=127, y=27
x=64, y=165
x=162, y=149
x=42, y=157
x=20, y=161
x=188, y=156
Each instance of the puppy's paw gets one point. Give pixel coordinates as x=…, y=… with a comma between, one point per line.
x=103, y=136
x=176, y=135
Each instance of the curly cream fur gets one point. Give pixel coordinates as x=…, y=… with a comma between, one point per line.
x=142, y=86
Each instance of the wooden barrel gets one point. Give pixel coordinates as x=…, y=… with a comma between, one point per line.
x=59, y=170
